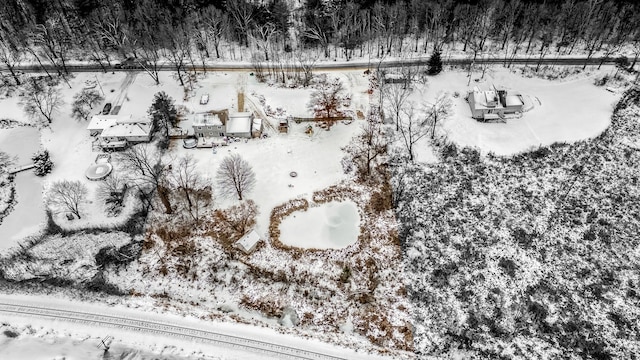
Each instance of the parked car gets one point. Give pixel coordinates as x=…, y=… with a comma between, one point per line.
x=204, y=99
x=131, y=63
x=106, y=109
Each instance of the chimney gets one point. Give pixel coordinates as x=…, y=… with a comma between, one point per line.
x=240, y=101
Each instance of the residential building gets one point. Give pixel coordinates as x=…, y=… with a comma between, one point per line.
x=493, y=104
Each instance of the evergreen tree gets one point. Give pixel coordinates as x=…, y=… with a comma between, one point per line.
x=435, y=63
x=43, y=164
x=163, y=112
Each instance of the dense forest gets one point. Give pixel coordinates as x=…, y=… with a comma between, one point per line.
x=195, y=31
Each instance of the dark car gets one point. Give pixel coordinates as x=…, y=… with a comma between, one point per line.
x=131, y=63
x=106, y=109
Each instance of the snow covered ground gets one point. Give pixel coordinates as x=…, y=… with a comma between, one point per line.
x=565, y=111
x=27, y=215
x=56, y=339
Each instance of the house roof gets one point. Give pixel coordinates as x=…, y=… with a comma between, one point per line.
x=206, y=119
x=481, y=98
x=248, y=241
x=239, y=123
x=126, y=130
x=102, y=122
x=513, y=100
x=257, y=123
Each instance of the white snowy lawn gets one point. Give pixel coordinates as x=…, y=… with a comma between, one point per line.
x=333, y=225
x=567, y=111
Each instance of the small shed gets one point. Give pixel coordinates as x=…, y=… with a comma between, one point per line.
x=283, y=125
x=256, y=128
x=248, y=242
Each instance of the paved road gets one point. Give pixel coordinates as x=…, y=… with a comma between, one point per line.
x=353, y=65
x=184, y=331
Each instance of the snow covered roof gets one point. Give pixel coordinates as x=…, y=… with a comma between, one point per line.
x=126, y=130
x=484, y=99
x=257, y=123
x=248, y=241
x=513, y=100
x=239, y=123
x=102, y=122
x=206, y=119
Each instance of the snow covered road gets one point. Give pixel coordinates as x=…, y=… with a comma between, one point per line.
x=210, y=335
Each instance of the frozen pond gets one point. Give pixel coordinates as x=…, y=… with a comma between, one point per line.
x=28, y=213
x=333, y=225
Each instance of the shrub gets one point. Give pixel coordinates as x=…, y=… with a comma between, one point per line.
x=118, y=256
x=43, y=164
x=10, y=334
x=99, y=284
x=601, y=81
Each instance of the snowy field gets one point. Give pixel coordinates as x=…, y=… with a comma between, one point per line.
x=327, y=226
x=564, y=111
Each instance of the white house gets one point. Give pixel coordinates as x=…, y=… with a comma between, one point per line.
x=209, y=124
x=219, y=124
x=117, y=131
x=100, y=122
x=494, y=103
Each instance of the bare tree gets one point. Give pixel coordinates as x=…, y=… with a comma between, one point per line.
x=235, y=175
x=111, y=191
x=179, y=47
x=41, y=100
x=368, y=146
x=437, y=112
x=67, y=195
x=318, y=33
x=326, y=99
x=191, y=185
x=394, y=97
x=307, y=64
x=83, y=103
x=257, y=61
x=412, y=128
x=11, y=53
x=149, y=170
x=263, y=37
x=213, y=25
x=242, y=13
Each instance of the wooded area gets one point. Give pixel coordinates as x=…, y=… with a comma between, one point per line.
x=192, y=32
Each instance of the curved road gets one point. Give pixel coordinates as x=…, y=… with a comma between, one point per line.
x=178, y=330
x=352, y=65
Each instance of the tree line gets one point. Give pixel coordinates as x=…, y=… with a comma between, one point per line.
x=195, y=31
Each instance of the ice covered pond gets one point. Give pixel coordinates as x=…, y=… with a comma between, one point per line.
x=333, y=225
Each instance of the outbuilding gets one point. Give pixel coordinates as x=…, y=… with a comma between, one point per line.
x=248, y=242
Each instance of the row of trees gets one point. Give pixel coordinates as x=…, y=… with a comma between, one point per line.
x=178, y=184
x=193, y=31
